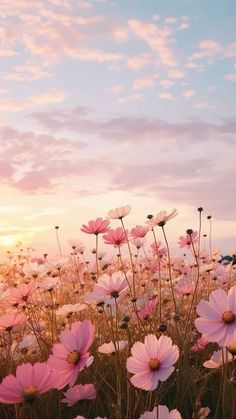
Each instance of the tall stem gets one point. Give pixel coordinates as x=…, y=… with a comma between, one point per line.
x=169, y=268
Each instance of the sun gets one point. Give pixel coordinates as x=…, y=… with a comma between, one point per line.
x=7, y=240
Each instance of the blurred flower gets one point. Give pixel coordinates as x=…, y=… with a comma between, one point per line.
x=148, y=309
x=9, y=322
x=49, y=283
x=30, y=382
x=138, y=232
x=218, y=359
x=79, y=392
x=115, y=236
x=199, y=345
x=71, y=355
x=218, y=317
x=68, y=309
x=161, y=218
x=96, y=226
x=162, y=413
x=21, y=294
x=35, y=270
x=119, y=213
x=109, y=348
x=152, y=361
x=138, y=243
x=186, y=241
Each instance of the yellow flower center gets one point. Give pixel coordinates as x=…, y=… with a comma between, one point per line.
x=30, y=394
x=232, y=348
x=228, y=317
x=73, y=357
x=154, y=364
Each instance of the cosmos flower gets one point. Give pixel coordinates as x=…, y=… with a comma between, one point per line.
x=35, y=270
x=108, y=286
x=217, y=359
x=68, y=309
x=71, y=355
x=217, y=321
x=186, y=241
x=79, y=392
x=109, y=348
x=49, y=283
x=21, y=294
x=199, y=345
x=119, y=213
x=152, y=361
x=145, y=312
x=184, y=287
x=161, y=218
x=115, y=236
x=138, y=232
x=9, y=322
x=96, y=226
x=162, y=413
x=29, y=383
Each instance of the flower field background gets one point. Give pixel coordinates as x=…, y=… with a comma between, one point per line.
x=148, y=333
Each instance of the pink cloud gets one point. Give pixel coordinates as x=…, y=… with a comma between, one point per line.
x=147, y=81
x=165, y=95
x=157, y=38
x=176, y=74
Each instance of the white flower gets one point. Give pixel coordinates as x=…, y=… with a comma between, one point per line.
x=217, y=360
x=119, y=213
x=109, y=348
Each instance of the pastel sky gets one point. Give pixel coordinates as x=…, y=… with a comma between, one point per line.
x=107, y=103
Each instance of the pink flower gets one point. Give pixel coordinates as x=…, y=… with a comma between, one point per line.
x=145, y=312
x=138, y=232
x=186, y=241
x=108, y=287
x=162, y=413
x=79, y=392
x=217, y=320
x=29, y=383
x=9, y=322
x=184, y=287
x=115, y=236
x=199, y=345
x=161, y=218
x=21, y=294
x=71, y=355
x=152, y=361
x=157, y=249
x=96, y=227
x=119, y=213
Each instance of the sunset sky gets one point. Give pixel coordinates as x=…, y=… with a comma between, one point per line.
x=107, y=103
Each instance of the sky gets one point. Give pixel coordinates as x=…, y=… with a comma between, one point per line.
x=108, y=103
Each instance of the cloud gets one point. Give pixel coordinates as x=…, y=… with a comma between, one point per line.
x=176, y=74
x=25, y=72
x=210, y=50
x=188, y=94
x=147, y=81
x=129, y=98
x=230, y=77
x=134, y=129
x=139, y=61
x=49, y=97
x=165, y=95
x=166, y=83
x=157, y=38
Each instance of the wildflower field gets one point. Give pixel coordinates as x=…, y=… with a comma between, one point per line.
x=147, y=333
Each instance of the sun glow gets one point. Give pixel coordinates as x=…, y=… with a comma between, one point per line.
x=7, y=240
